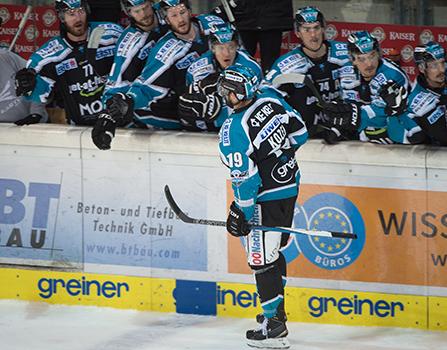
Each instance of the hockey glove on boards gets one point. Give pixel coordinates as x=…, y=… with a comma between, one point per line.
x=343, y=114
x=30, y=119
x=395, y=97
x=198, y=106
x=25, y=81
x=104, y=131
x=236, y=224
x=120, y=108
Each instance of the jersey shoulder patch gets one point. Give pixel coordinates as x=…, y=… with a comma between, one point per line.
x=167, y=48
x=52, y=48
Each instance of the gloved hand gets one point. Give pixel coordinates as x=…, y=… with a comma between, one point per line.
x=25, y=80
x=104, y=131
x=395, y=97
x=343, y=114
x=236, y=224
x=120, y=108
x=30, y=119
x=198, y=106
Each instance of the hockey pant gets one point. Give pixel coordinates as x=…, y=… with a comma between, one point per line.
x=263, y=252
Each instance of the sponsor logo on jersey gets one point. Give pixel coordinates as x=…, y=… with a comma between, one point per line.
x=104, y=52
x=327, y=211
x=127, y=43
x=256, y=243
x=426, y=36
x=89, y=88
x=50, y=49
x=422, y=102
x=438, y=113
x=284, y=173
x=379, y=80
x=351, y=95
x=168, y=49
x=186, y=61
x=4, y=15
x=66, y=66
x=346, y=70
x=49, y=18
x=144, y=52
x=237, y=175
x=269, y=128
x=295, y=61
x=48, y=287
x=224, y=133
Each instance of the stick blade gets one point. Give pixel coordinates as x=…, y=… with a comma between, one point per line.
x=289, y=78
x=175, y=208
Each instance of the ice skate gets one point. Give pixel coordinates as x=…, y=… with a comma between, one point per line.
x=271, y=334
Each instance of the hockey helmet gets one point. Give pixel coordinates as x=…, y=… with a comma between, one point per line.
x=238, y=79
x=63, y=5
x=309, y=14
x=222, y=33
x=362, y=42
x=432, y=51
x=126, y=5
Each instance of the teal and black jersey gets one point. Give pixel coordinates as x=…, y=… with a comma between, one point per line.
x=428, y=107
x=155, y=92
x=258, y=144
x=78, y=72
x=132, y=51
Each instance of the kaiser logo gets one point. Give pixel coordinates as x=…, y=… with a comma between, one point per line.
x=407, y=53
x=331, y=32
x=4, y=14
x=379, y=34
x=49, y=18
x=31, y=33
x=426, y=36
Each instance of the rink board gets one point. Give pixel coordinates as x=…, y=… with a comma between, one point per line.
x=222, y=299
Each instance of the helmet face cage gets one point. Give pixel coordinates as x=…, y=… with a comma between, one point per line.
x=221, y=34
x=432, y=51
x=126, y=5
x=63, y=5
x=240, y=80
x=362, y=42
x=309, y=14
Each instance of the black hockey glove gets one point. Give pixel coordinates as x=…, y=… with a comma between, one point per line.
x=120, y=108
x=31, y=119
x=198, y=106
x=236, y=224
x=395, y=97
x=207, y=85
x=343, y=115
x=104, y=131
x=25, y=80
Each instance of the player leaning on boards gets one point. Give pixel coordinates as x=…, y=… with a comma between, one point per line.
x=145, y=29
x=153, y=97
x=320, y=59
x=427, y=104
x=75, y=64
x=201, y=106
x=374, y=92
x=258, y=143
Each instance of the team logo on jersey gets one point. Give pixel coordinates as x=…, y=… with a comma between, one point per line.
x=426, y=36
x=331, y=32
x=407, y=53
x=327, y=211
x=379, y=34
x=49, y=18
x=4, y=15
x=31, y=33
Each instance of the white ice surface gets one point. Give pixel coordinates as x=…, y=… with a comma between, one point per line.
x=40, y=326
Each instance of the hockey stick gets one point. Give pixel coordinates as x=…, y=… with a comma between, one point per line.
x=189, y=220
x=228, y=11
x=298, y=78
x=20, y=27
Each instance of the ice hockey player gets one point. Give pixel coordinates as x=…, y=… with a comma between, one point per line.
x=258, y=143
x=374, y=93
x=76, y=63
x=202, y=107
x=146, y=27
x=427, y=104
x=153, y=96
x=320, y=59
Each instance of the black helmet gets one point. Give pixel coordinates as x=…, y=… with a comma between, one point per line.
x=309, y=14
